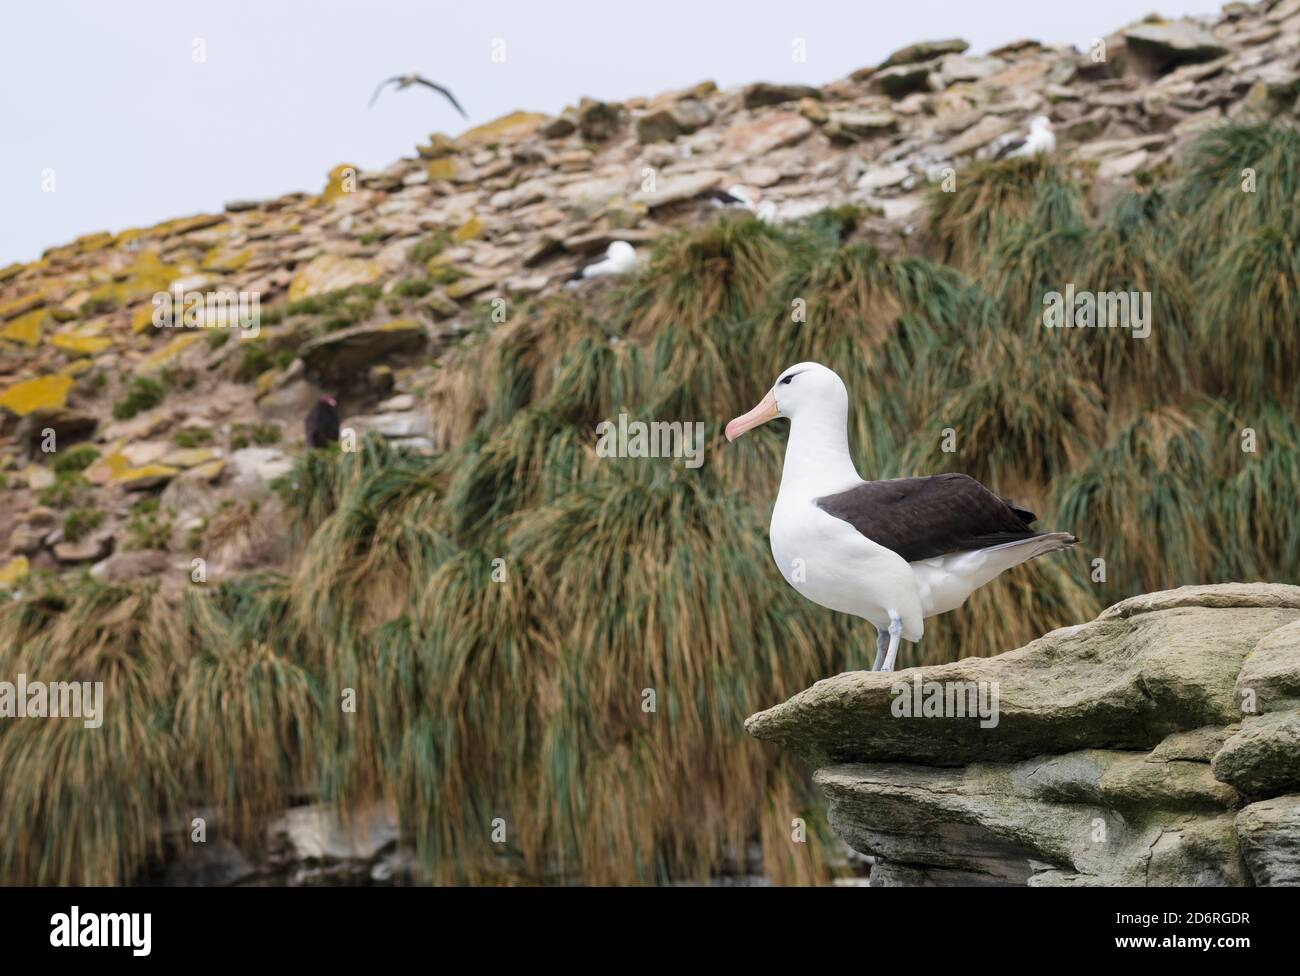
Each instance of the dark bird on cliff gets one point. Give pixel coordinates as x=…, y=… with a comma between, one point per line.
x=892, y=552
x=406, y=81
x=323, y=423
x=737, y=197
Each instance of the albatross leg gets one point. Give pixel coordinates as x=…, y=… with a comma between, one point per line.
x=882, y=641
x=895, y=633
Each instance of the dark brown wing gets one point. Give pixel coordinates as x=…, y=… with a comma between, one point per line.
x=442, y=91
x=386, y=81
x=1007, y=148
x=919, y=518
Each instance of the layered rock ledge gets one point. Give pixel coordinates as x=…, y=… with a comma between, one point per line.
x=1157, y=745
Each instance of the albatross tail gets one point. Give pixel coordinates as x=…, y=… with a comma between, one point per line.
x=1036, y=545
x=945, y=582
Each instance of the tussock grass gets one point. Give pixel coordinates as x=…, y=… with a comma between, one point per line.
x=989, y=198
x=500, y=611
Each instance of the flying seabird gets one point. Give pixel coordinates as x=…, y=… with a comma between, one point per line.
x=619, y=259
x=892, y=552
x=1039, y=141
x=406, y=81
x=322, y=424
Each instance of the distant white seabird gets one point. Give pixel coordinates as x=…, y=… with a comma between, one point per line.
x=619, y=259
x=892, y=552
x=1040, y=141
x=738, y=196
x=406, y=81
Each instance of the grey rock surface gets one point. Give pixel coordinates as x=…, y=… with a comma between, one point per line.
x=1118, y=752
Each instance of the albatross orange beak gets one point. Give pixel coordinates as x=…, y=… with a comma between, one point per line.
x=760, y=415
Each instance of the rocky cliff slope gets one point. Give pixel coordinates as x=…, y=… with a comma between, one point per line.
x=1157, y=745
x=129, y=447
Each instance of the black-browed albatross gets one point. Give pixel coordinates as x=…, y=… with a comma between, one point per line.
x=406, y=81
x=892, y=552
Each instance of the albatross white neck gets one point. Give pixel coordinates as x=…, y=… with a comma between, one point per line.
x=817, y=460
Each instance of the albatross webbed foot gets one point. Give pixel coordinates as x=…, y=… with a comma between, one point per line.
x=895, y=633
x=882, y=642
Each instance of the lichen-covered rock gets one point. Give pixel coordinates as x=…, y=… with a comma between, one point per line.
x=13, y=571
x=332, y=272
x=860, y=125
x=1270, y=677
x=767, y=134
x=26, y=329
x=1263, y=758
x=80, y=345
x=903, y=79
x=1269, y=834
x=511, y=126
x=48, y=392
x=1216, y=596
x=1114, y=753
x=599, y=121
x=253, y=469
x=1117, y=682
x=1167, y=45
x=763, y=93
x=126, y=567
x=984, y=822
x=924, y=51
x=337, y=354
x=675, y=189
x=145, y=477
x=670, y=121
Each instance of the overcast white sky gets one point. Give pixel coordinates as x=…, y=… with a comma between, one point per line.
x=109, y=96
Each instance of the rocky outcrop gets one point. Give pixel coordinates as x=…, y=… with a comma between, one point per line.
x=1157, y=745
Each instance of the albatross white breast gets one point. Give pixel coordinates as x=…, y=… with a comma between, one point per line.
x=892, y=552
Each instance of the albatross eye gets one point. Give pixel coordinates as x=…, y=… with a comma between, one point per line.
x=787, y=379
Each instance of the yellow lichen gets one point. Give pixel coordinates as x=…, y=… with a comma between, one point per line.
x=147, y=474
x=80, y=345
x=77, y=367
x=331, y=272
x=223, y=260
x=441, y=169
x=107, y=466
x=191, y=457
x=48, y=392
x=26, y=328
x=142, y=318
x=210, y=471
x=342, y=181
x=170, y=351
x=18, y=306
x=469, y=230
x=515, y=122
x=14, y=570
x=264, y=383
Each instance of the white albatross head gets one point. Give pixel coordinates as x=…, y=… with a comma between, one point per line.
x=1040, y=123
x=807, y=391
x=622, y=255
